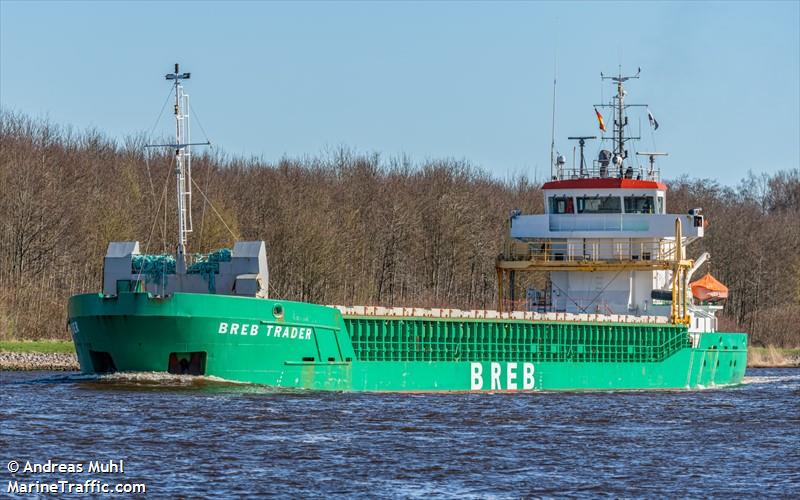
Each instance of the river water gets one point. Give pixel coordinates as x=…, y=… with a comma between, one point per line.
x=199, y=437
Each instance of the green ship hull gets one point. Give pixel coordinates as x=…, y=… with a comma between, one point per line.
x=299, y=345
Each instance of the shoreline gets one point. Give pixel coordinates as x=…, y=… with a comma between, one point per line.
x=35, y=361
x=56, y=356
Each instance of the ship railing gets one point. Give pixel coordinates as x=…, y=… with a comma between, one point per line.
x=547, y=306
x=671, y=346
x=604, y=170
x=541, y=304
x=579, y=250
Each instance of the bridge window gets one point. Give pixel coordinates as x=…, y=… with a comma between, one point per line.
x=599, y=205
x=561, y=205
x=639, y=205
x=660, y=207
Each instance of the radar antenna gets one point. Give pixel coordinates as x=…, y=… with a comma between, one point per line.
x=652, y=158
x=183, y=165
x=582, y=143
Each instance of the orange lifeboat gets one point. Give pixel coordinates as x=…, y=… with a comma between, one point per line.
x=708, y=289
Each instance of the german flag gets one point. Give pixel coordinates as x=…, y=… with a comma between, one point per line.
x=600, y=120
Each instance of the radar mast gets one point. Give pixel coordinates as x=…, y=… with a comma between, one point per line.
x=620, y=154
x=183, y=165
x=582, y=143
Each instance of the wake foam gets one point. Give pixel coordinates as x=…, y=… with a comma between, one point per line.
x=164, y=378
x=771, y=379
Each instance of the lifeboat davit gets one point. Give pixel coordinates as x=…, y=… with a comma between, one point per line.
x=708, y=289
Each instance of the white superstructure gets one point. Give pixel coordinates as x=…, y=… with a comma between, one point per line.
x=606, y=239
x=613, y=224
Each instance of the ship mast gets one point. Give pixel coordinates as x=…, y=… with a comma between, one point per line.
x=620, y=119
x=183, y=165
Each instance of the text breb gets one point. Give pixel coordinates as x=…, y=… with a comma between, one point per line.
x=510, y=379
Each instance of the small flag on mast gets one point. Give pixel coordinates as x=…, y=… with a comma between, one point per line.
x=653, y=122
x=600, y=120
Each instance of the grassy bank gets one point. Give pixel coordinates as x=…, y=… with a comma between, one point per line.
x=42, y=346
x=772, y=357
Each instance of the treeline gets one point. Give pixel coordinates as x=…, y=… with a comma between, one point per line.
x=345, y=228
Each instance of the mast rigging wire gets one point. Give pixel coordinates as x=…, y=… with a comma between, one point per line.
x=208, y=172
x=146, y=157
x=199, y=123
x=235, y=237
x=155, y=218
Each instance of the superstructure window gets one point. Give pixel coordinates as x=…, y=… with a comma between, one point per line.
x=561, y=205
x=599, y=205
x=660, y=208
x=639, y=205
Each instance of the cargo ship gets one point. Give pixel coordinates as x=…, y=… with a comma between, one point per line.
x=615, y=310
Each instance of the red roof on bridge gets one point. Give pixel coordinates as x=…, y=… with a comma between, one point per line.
x=604, y=182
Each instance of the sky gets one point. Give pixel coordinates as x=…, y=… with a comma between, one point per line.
x=428, y=80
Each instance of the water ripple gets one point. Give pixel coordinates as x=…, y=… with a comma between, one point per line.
x=186, y=436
